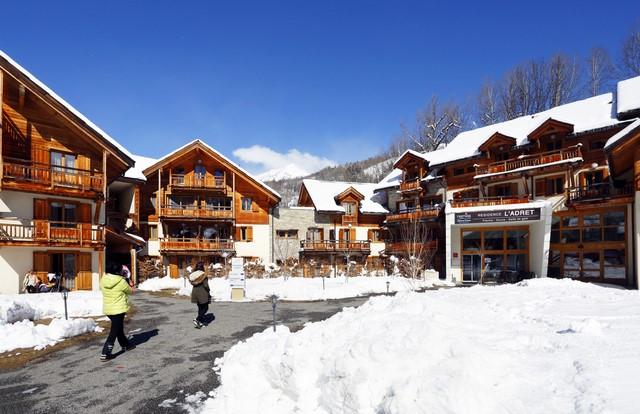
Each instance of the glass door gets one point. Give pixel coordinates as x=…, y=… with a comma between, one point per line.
x=471, y=267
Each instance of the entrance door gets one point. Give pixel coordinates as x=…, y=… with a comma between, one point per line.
x=471, y=267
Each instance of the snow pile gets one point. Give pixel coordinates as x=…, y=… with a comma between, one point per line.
x=25, y=334
x=541, y=346
x=297, y=288
x=48, y=305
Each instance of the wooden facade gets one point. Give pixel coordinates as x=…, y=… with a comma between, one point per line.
x=55, y=167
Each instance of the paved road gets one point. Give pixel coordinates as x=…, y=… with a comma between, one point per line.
x=171, y=356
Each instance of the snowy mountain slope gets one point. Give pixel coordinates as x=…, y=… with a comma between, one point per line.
x=283, y=173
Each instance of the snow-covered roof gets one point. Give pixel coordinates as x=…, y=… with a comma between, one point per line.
x=218, y=154
x=323, y=195
x=584, y=115
x=142, y=163
x=392, y=179
x=68, y=106
x=628, y=95
x=611, y=142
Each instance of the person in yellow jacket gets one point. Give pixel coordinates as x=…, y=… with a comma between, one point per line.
x=115, y=293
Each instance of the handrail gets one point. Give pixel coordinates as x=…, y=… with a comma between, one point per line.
x=597, y=191
x=195, y=243
x=530, y=160
x=412, y=184
x=51, y=175
x=341, y=245
x=409, y=247
x=490, y=201
x=47, y=231
x=197, y=211
x=197, y=181
x=415, y=213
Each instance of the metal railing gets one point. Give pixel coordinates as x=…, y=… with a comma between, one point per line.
x=597, y=192
x=46, y=175
x=533, y=160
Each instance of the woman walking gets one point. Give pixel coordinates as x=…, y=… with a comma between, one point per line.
x=115, y=303
x=200, y=293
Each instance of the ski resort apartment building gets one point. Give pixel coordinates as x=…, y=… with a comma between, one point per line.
x=338, y=225
x=550, y=194
x=197, y=205
x=56, y=169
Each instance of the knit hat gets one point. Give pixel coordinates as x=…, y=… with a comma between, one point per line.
x=197, y=277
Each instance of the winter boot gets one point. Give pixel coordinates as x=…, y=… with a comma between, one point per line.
x=197, y=324
x=106, y=353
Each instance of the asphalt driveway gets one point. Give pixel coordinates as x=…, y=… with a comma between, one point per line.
x=172, y=358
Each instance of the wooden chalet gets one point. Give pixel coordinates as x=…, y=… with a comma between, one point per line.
x=197, y=205
x=346, y=227
x=55, y=169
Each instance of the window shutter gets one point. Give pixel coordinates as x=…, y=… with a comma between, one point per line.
x=249, y=233
x=513, y=189
x=540, y=187
x=341, y=234
x=321, y=235
x=352, y=234
x=84, y=279
x=238, y=233
x=41, y=265
x=40, y=209
x=84, y=213
x=370, y=235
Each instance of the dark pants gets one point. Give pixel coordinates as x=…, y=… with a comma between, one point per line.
x=202, y=310
x=116, y=331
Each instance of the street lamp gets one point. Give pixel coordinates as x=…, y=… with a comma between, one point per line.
x=65, y=294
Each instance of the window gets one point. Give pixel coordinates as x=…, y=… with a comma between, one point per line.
x=554, y=145
x=200, y=171
x=63, y=161
x=471, y=240
x=287, y=234
x=592, y=178
x=375, y=235
x=314, y=234
x=502, y=156
x=596, y=145
x=549, y=186
x=62, y=214
x=349, y=209
x=153, y=232
x=245, y=233
x=246, y=203
x=458, y=171
x=503, y=190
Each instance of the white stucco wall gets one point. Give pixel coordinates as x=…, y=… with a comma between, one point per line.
x=259, y=247
x=16, y=204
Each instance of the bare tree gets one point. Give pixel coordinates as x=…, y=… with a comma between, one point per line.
x=631, y=53
x=418, y=248
x=435, y=125
x=488, y=104
x=286, y=253
x=563, y=78
x=599, y=70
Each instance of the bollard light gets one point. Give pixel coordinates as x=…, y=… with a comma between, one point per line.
x=322, y=282
x=387, y=287
x=65, y=294
x=274, y=301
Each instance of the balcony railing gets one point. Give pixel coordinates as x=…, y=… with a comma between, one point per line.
x=50, y=176
x=335, y=245
x=217, y=212
x=346, y=220
x=44, y=232
x=410, y=248
x=418, y=213
x=197, y=181
x=596, y=192
x=196, y=244
x=410, y=185
x=530, y=161
x=489, y=201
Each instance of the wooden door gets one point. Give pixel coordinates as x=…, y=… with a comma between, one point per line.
x=41, y=266
x=85, y=275
x=174, y=272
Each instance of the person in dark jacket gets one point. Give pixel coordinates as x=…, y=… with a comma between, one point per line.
x=200, y=294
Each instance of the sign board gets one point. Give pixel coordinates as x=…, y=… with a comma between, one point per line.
x=236, y=276
x=498, y=216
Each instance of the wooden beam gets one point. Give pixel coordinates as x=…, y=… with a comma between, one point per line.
x=1, y=102
x=21, y=94
x=233, y=201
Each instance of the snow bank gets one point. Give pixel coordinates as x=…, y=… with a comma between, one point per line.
x=35, y=306
x=296, y=288
x=25, y=334
x=540, y=346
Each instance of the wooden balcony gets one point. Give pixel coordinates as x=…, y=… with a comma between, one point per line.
x=342, y=246
x=598, y=193
x=30, y=176
x=178, y=244
x=410, y=248
x=411, y=185
x=528, y=162
x=51, y=233
x=346, y=220
x=421, y=213
x=489, y=201
x=195, y=212
x=197, y=182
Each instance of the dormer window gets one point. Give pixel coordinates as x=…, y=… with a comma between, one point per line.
x=349, y=209
x=554, y=145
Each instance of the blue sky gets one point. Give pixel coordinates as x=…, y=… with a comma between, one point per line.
x=333, y=79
